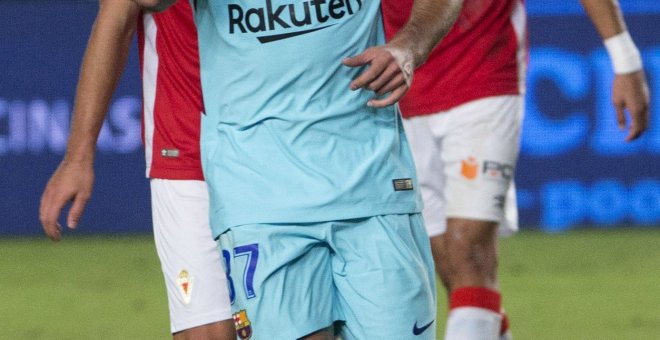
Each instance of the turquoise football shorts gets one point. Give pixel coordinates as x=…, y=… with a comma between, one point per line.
x=373, y=275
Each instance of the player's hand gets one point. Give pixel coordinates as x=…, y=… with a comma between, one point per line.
x=630, y=92
x=390, y=71
x=71, y=182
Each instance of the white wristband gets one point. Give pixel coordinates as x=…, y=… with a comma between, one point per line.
x=623, y=53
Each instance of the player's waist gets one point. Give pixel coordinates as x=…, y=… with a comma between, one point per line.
x=191, y=172
x=221, y=221
x=173, y=160
x=423, y=101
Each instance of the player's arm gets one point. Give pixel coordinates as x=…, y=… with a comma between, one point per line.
x=391, y=66
x=629, y=90
x=102, y=66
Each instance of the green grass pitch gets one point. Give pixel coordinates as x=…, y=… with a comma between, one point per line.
x=581, y=285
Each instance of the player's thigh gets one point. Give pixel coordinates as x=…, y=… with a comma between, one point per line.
x=479, y=156
x=384, y=276
x=280, y=280
x=194, y=275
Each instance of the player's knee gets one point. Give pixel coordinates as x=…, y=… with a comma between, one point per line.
x=470, y=237
x=471, y=256
x=470, y=250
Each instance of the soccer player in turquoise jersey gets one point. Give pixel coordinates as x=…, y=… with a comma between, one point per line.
x=313, y=193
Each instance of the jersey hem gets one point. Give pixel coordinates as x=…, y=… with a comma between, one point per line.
x=312, y=215
x=176, y=173
x=429, y=106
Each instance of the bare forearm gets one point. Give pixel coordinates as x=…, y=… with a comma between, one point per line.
x=630, y=94
x=102, y=66
x=608, y=20
x=606, y=16
x=429, y=22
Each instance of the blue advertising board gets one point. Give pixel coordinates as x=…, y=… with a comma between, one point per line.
x=41, y=47
x=574, y=168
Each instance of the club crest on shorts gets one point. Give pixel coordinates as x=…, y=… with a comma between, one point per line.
x=242, y=324
x=184, y=282
x=469, y=168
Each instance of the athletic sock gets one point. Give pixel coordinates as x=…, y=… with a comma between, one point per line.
x=474, y=314
x=505, y=333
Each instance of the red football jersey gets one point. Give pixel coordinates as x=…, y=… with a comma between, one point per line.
x=484, y=54
x=172, y=95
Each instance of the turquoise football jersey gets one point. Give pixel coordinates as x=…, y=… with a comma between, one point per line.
x=284, y=139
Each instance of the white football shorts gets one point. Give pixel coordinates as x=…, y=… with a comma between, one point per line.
x=465, y=159
x=194, y=276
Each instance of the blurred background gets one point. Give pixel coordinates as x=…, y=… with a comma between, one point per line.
x=588, y=201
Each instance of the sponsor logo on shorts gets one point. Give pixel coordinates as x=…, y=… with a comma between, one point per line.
x=289, y=20
x=403, y=184
x=420, y=330
x=184, y=282
x=469, y=168
x=243, y=325
x=497, y=170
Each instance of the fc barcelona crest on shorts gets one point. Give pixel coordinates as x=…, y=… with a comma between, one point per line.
x=243, y=325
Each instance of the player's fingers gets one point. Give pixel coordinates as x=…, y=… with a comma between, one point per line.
x=54, y=232
x=49, y=211
x=371, y=74
x=639, y=122
x=358, y=60
x=76, y=211
x=390, y=72
x=633, y=134
x=390, y=99
x=620, y=115
x=394, y=83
